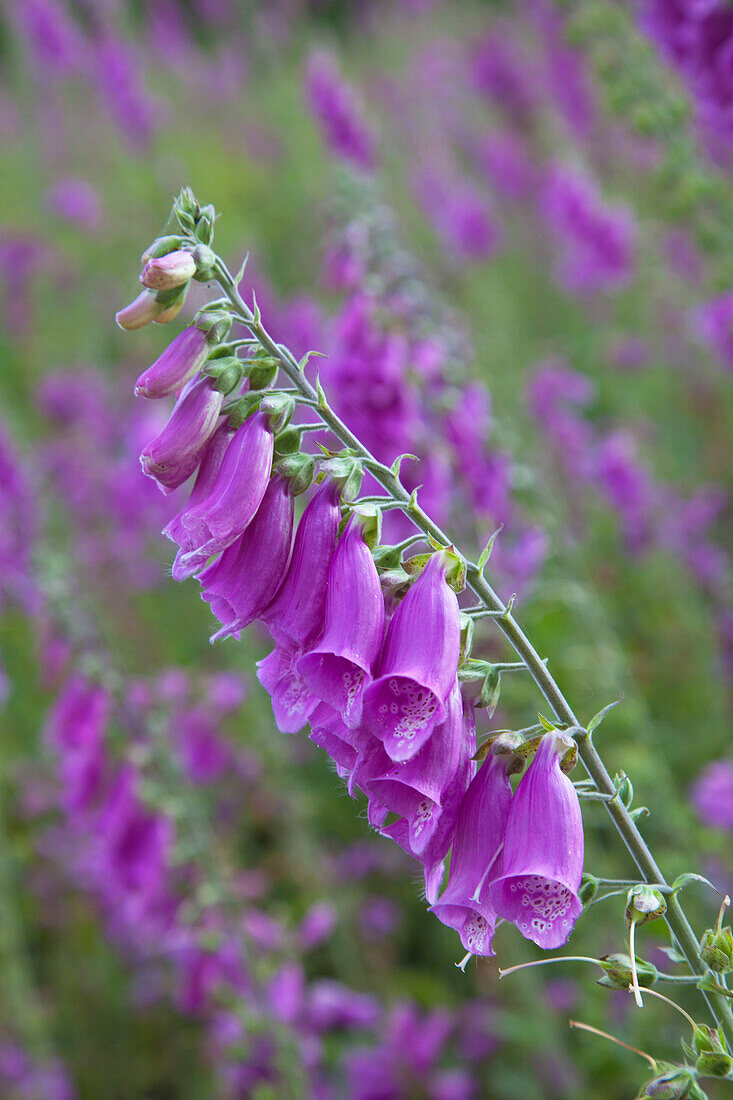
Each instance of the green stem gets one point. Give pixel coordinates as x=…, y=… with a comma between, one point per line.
x=507, y=623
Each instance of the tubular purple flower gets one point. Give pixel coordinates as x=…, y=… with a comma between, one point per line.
x=182, y=359
x=211, y=460
x=295, y=616
x=292, y=701
x=340, y=666
x=242, y=582
x=240, y=484
x=418, y=665
x=140, y=312
x=169, y=271
x=542, y=861
x=414, y=788
x=174, y=454
x=480, y=827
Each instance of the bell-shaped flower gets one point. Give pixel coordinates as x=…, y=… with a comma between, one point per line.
x=212, y=457
x=292, y=700
x=182, y=359
x=240, y=484
x=295, y=616
x=329, y=731
x=431, y=842
x=418, y=665
x=140, y=312
x=243, y=581
x=542, y=860
x=340, y=666
x=414, y=788
x=174, y=454
x=477, y=844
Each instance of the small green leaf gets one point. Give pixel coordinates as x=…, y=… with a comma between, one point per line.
x=256, y=310
x=304, y=361
x=547, y=726
x=689, y=876
x=641, y=811
x=598, y=718
x=240, y=274
x=412, y=503
x=395, y=467
x=486, y=552
x=322, y=402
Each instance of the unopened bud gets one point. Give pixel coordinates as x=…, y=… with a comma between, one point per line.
x=205, y=221
x=215, y=324
x=161, y=246
x=140, y=312
x=588, y=890
x=262, y=372
x=644, y=903
x=241, y=409
x=714, y=1064
x=288, y=441
x=299, y=469
x=204, y=258
x=169, y=271
x=716, y=949
x=279, y=408
x=346, y=471
x=226, y=372
x=181, y=360
x=619, y=975
x=625, y=789
x=186, y=210
x=675, y=1084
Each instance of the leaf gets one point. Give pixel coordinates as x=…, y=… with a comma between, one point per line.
x=395, y=467
x=240, y=274
x=412, y=503
x=689, y=876
x=304, y=361
x=486, y=552
x=672, y=954
x=547, y=726
x=256, y=310
x=641, y=811
x=322, y=402
x=598, y=718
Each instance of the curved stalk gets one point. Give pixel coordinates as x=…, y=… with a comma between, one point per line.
x=507, y=623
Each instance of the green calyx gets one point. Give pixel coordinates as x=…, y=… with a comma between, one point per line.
x=716, y=949
x=644, y=903
x=619, y=975
x=369, y=518
x=299, y=469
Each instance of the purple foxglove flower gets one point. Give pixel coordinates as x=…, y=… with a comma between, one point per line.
x=211, y=460
x=181, y=360
x=242, y=582
x=173, y=455
x=542, y=860
x=292, y=701
x=435, y=836
x=168, y=272
x=418, y=665
x=327, y=731
x=414, y=788
x=712, y=794
x=218, y=520
x=340, y=666
x=140, y=312
x=295, y=616
x=480, y=827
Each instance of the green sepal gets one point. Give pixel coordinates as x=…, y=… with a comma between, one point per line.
x=161, y=246
x=204, y=259
x=468, y=629
x=241, y=409
x=287, y=442
x=278, y=408
x=262, y=370
x=588, y=889
x=214, y=323
x=346, y=470
x=226, y=372
x=369, y=518
x=299, y=469
x=617, y=972
x=716, y=949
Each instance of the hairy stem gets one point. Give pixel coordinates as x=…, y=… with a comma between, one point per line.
x=507, y=623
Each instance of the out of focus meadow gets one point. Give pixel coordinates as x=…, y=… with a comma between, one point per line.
x=508, y=227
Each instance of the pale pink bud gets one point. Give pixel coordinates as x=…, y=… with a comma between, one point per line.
x=168, y=272
x=140, y=312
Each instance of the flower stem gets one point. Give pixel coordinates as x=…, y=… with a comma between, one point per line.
x=507, y=623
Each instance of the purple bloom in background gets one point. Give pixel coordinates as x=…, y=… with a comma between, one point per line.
x=217, y=521
x=466, y=902
x=334, y=104
x=552, y=388
x=21, y=259
x=245, y=579
x=542, y=859
x=18, y=529
x=54, y=38
x=204, y=755
x=712, y=323
x=339, y=668
x=418, y=665
x=712, y=794
x=122, y=90
x=76, y=201
x=595, y=242
x=504, y=76
x=505, y=161
x=175, y=453
x=459, y=214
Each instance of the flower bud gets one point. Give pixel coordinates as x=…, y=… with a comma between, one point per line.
x=169, y=271
x=618, y=973
x=588, y=890
x=172, y=303
x=186, y=210
x=161, y=246
x=173, y=455
x=140, y=312
x=346, y=471
x=644, y=903
x=204, y=259
x=714, y=1064
x=181, y=360
x=675, y=1084
x=226, y=372
x=716, y=949
x=299, y=469
x=263, y=372
x=288, y=442
x=279, y=408
x=215, y=324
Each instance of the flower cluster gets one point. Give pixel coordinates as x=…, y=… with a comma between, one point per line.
x=368, y=648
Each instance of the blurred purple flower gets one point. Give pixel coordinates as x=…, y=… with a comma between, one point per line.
x=712, y=794
x=334, y=104
x=712, y=323
x=76, y=201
